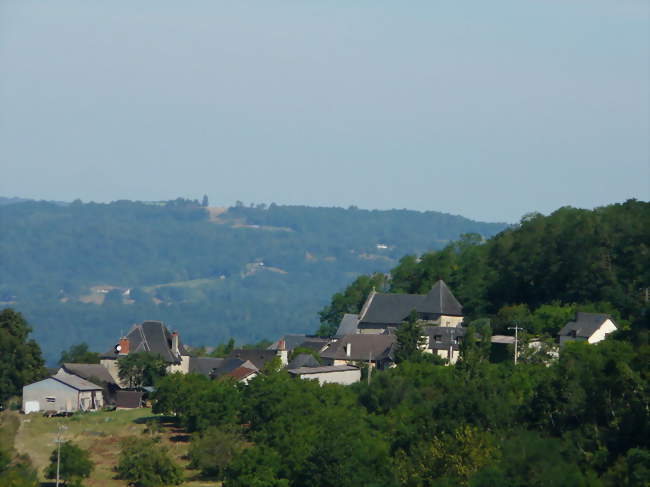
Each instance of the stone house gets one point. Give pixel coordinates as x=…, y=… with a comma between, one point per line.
x=152, y=337
x=385, y=311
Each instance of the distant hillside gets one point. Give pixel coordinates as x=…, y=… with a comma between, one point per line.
x=83, y=272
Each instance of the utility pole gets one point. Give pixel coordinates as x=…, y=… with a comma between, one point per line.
x=451, y=346
x=516, y=328
x=59, y=440
x=369, y=366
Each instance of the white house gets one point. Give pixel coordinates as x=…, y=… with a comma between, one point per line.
x=590, y=327
x=332, y=374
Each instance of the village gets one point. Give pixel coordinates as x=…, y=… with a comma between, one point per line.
x=364, y=342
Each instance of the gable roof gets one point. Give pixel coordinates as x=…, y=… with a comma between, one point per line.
x=585, y=324
x=205, y=365
x=303, y=360
x=89, y=372
x=348, y=326
x=152, y=337
x=241, y=372
x=386, y=309
x=362, y=347
x=258, y=357
x=76, y=382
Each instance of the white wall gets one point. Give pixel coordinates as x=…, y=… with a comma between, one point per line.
x=344, y=377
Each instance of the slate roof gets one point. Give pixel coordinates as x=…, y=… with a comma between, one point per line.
x=258, y=357
x=76, y=382
x=153, y=337
x=362, y=346
x=303, y=360
x=204, y=365
x=321, y=370
x=293, y=341
x=89, y=371
x=441, y=337
x=348, y=326
x=585, y=324
x=387, y=309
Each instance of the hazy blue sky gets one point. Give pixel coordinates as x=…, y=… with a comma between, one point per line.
x=486, y=109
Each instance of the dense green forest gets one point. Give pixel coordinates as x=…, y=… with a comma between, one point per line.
x=537, y=273
x=248, y=272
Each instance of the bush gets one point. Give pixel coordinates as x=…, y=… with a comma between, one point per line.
x=212, y=450
x=145, y=463
x=75, y=463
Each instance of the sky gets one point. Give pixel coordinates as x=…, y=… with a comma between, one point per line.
x=489, y=110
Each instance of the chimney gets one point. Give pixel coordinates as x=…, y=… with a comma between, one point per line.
x=175, y=350
x=348, y=349
x=282, y=352
x=123, y=347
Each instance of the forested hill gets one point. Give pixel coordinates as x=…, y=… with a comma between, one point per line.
x=537, y=273
x=85, y=271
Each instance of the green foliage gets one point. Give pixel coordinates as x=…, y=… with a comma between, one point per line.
x=75, y=463
x=198, y=401
x=20, y=357
x=146, y=463
x=409, y=340
x=141, y=369
x=79, y=354
x=223, y=350
x=17, y=472
x=256, y=467
x=212, y=450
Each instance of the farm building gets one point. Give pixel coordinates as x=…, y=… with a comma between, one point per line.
x=63, y=394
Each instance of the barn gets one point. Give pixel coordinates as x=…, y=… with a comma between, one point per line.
x=63, y=394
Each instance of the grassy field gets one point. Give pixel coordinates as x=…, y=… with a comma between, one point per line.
x=99, y=433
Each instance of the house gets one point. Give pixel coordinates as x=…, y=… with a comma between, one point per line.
x=382, y=312
x=152, y=337
x=374, y=349
x=95, y=373
x=444, y=341
x=333, y=374
x=204, y=365
x=63, y=393
x=589, y=327
x=241, y=370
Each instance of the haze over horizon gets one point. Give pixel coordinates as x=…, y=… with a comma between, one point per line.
x=489, y=111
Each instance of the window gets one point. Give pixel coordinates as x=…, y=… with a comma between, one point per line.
x=50, y=399
x=437, y=338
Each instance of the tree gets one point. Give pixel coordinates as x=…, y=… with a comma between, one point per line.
x=74, y=465
x=204, y=201
x=223, y=350
x=144, y=462
x=79, y=354
x=21, y=362
x=17, y=473
x=212, y=450
x=409, y=340
x=141, y=369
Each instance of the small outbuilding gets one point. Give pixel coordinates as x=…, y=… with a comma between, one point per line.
x=62, y=394
x=589, y=327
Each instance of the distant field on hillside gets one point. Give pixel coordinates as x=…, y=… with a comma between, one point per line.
x=83, y=272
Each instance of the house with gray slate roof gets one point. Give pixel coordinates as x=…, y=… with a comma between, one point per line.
x=152, y=337
x=368, y=348
x=383, y=312
x=589, y=327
